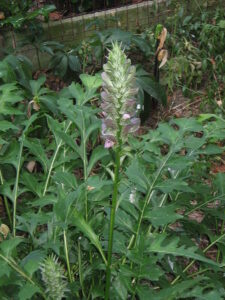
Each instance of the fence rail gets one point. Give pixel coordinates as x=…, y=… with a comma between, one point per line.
x=79, y=7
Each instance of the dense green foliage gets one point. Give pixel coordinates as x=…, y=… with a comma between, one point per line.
x=57, y=180
x=197, y=49
x=19, y=14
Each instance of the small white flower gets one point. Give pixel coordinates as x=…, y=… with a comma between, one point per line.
x=171, y=264
x=172, y=172
x=139, y=106
x=132, y=196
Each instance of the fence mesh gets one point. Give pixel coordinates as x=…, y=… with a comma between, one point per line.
x=73, y=25
x=134, y=17
x=81, y=6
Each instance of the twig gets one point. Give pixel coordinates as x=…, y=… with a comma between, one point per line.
x=187, y=105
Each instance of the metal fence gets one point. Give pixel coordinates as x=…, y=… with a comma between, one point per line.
x=73, y=27
x=84, y=6
x=131, y=15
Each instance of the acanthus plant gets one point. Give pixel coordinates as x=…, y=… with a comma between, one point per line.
x=61, y=207
x=119, y=108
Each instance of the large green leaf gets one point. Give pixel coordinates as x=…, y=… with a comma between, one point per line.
x=91, y=82
x=97, y=154
x=219, y=182
x=86, y=229
x=55, y=127
x=35, y=85
x=77, y=92
x=30, y=181
x=142, y=44
x=28, y=291
x=169, y=185
x=8, y=246
x=187, y=124
x=7, y=73
x=136, y=175
x=5, y=125
x=66, y=178
x=182, y=290
x=31, y=262
x=124, y=221
x=161, y=216
x=162, y=244
x=9, y=95
x=69, y=141
x=151, y=87
x=36, y=148
x=118, y=35
x=74, y=63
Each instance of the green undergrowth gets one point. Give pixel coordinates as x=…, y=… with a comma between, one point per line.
x=57, y=180
x=56, y=183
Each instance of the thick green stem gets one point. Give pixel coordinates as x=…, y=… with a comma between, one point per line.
x=85, y=181
x=64, y=235
x=16, y=185
x=67, y=256
x=38, y=58
x=81, y=271
x=51, y=167
x=112, y=222
x=53, y=161
x=85, y=163
x=222, y=231
x=6, y=201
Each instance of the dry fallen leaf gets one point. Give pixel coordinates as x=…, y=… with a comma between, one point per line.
x=162, y=39
x=193, y=202
x=4, y=230
x=219, y=103
x=54, y=16
x=197, y=216
x=2, y=15
x=162, y=56
x=175, y=226
x=212, y=61
x=214, y=204
x=90, y=188
x=31, y=165
x=36, y=106
x=218, y=169
x=180, y=211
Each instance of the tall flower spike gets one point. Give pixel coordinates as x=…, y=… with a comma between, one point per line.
x=118, y=98
x=53, y=277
